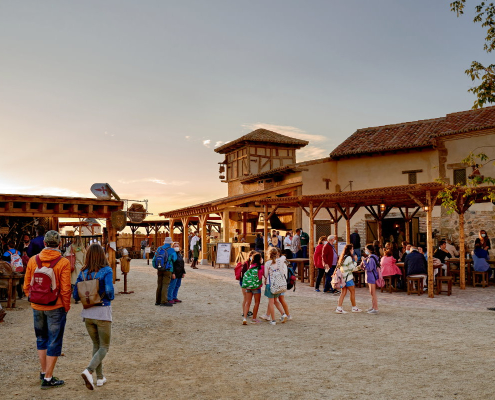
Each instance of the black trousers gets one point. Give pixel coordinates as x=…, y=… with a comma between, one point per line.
x=328, y=280
x=321, y=274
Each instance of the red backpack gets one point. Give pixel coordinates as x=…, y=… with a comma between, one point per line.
x=238, y=271
x=44, y=290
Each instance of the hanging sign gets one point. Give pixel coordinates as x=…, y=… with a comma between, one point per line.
x=119, y=220
x=101, y=191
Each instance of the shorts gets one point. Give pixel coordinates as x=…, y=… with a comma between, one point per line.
x=349, y=283
x=49, y=328
x=269, y=294
x=253, y=291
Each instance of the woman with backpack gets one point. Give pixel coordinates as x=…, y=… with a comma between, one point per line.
x=371, y=264
x=240, y=270
x=98, y=319
x=347, y=264
x=252, y=283
x=178, y=274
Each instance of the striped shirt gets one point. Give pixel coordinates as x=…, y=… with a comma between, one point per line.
x=347, y=266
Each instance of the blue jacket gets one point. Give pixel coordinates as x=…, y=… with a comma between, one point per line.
x=35, y=246
x=416, y=264
x=105, y=275
x=480, y=258
x=172, y=254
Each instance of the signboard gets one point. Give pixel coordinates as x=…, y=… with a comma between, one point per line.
x=119, y=220
x=341, y=247
x=223, y=253
x=147, y=250
x=100, y=190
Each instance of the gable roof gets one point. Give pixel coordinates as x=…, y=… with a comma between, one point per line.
x=415, y=134
x=261, y=136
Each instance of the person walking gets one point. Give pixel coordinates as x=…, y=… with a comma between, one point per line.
x=178, y=274
x=347, y=264
x=371, y=264
x=98, y=319
x=164, y=272
x=79, y=252
x=318, y=261
x=270, y=266
x=295, y=247
x=144, y=244
x=49, y=319
x=194, y=246
x=252, y=283
x=329, y=260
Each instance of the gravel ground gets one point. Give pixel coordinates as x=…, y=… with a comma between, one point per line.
x=200, y=350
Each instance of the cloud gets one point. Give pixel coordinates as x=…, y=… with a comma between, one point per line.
x=188, y=138
x=207, y=143
x=109, y=134
x=42, y=191
x=155, y=180
x=291, y=131
x=218, y=143
x=310, y=153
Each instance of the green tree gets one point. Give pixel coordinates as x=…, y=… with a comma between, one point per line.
x=485, y=14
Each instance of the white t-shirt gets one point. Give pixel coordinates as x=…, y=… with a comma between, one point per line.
x=287, y=242
x=194, y=240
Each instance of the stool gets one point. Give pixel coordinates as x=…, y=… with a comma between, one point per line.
x=448, y=280
x=484, y=278
x=415, y=285
x=390, y=284
x=456, y=275
x=358, y=278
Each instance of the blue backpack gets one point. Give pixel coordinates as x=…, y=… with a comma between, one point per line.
x=164, y=259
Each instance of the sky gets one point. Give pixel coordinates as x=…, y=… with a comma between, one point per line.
x=139, y=93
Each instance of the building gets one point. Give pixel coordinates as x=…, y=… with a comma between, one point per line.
x=262, y=164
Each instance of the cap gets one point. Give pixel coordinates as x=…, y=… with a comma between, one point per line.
x=52, y=238
x=168, y=240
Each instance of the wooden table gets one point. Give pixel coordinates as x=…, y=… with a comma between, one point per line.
x=301, y=267
x=469, y=267
x=9, y=282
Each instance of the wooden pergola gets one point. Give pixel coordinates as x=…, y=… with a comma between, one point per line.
x=409, y=199
x=55, y=207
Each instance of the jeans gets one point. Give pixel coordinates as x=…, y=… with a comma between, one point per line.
x=321, y=273
x=173, y=288
x=328, y=280
x=100, y=333
x=296, y=255
x=304, y=250
x=164, y=278
x=49, y=328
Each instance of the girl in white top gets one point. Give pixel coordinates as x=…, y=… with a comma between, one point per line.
x=278, y=300
x=347, y=264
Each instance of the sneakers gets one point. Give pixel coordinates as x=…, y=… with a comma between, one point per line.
x=340, y=310
x=244, y=322
x=101, y=382
x=317, y=290
x=42, y=377
x=373, y=311
x=355, y=309
x=273, y=322
x=265, y=317
x=52, y=383
x=177, y=301
x=369, y=309
x=336, y=293
x=283, y=319
x=88, y=379
x=167, y=304
x=157, y=304
x=256, y=321
x=289, y=318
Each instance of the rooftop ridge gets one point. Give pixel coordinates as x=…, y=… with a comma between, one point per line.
x=420, y=121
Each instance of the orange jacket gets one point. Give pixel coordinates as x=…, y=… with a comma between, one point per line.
x=62, y=277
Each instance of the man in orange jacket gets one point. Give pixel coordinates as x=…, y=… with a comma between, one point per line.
x=49, y=320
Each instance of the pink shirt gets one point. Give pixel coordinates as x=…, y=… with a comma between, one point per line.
x=389, y=267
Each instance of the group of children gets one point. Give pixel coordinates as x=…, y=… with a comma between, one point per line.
x=273, y=273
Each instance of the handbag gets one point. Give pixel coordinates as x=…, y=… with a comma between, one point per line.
x=380, y=282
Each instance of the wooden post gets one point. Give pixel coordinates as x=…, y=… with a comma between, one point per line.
x=226, y=226
x=348, y=230
x=265, y=228
x=185, y=238
x=311, y=245
x=112, y=237
x=408, y=233
x=462, y=251
x=429, y=246
x=171, y=222
x=244, y=225
x=379, y=232
x=204, y=244
x=336, y=227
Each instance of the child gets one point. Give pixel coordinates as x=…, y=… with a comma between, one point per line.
x=371, y=263
x=347, y=263
x=252, y=283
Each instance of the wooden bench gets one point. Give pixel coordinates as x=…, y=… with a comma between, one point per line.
x=483, y=282
x=415, y=285
x=390, y=284
x=448, y=280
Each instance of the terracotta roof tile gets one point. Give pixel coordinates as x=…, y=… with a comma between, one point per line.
x=262, y=135
x=413, y=135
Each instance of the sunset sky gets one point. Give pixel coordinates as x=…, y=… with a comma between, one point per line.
x=138, y=93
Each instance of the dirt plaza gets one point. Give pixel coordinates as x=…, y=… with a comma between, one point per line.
x=416, y=348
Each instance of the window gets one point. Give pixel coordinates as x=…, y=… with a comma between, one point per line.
x=412, y=178
x=460, y=176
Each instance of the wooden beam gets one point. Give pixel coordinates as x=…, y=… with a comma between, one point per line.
x=302, y=208
x=416, y=200
x=273, y=212
x=312, y=214
x=112, y=238
x=318, y=209
x=185, y=236
x=202, y=227
x=372, y=211
x=265, y=228
x=429, y=247
x=354, y=211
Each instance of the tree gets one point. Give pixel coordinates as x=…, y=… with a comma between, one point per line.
x=485, y=91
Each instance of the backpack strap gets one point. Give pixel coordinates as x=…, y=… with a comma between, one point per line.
x=52, y=263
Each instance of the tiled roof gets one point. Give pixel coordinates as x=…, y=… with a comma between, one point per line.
x=414, y=135
x=262, y=135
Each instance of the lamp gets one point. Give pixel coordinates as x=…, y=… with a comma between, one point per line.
x=426, y=208
x=382, y=207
